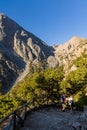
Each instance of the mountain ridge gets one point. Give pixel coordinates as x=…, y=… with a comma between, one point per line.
x=19, y=48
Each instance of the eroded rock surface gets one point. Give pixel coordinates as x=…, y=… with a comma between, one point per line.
x=55, y=119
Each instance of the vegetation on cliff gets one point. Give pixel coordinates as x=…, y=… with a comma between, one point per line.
x=49, y=83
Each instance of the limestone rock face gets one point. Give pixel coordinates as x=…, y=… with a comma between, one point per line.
x=52, y=61
x=17, y=47
x=23, y=43
x=70, y=51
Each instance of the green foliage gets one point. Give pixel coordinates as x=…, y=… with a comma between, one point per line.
x=83, y=99
x=64, y=86
x=38, y=84
x=49, y=83
x=81, y=61
x=77, y=80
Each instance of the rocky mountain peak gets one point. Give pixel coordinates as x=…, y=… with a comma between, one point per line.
x=69, y=51
x=2, y=15
x=25, y=44
x=75, y=39
x=5, y=20
x=18, y=47
x=73, y=43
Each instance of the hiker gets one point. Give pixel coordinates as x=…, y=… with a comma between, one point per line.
x=71, y=103
x=63, y=102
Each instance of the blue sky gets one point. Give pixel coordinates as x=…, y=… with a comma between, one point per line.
x=53, y=21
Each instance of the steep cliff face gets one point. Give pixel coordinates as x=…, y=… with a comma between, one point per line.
x=17, y=47
x=70, y=51
x=24, y=44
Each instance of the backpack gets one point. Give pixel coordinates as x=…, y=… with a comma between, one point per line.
x=63, y=98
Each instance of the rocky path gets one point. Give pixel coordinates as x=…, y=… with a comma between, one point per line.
x=53, y=119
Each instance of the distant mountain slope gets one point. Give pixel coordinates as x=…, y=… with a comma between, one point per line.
x=24, y=44
x=70, y=51
x=17, y=47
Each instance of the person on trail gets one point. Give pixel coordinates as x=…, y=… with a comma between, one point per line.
x=71, y=103
x=63, y=102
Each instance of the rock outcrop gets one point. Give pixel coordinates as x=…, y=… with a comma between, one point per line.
x=54, y=119
x=19, y=47
x=70, y=51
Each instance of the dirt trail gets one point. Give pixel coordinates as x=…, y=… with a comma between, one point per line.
x=51, y=119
